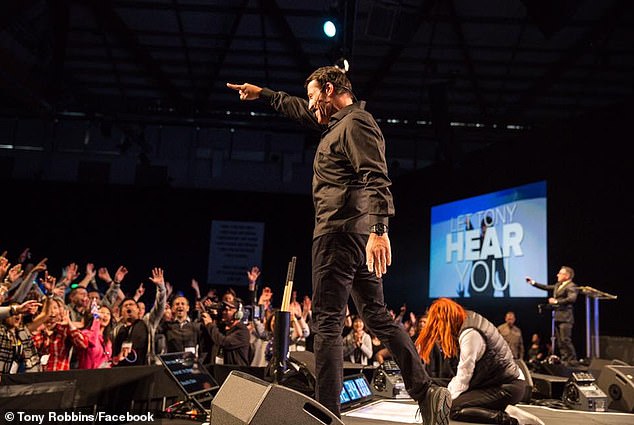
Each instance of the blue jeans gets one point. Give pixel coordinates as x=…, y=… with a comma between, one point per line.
x=339, y=271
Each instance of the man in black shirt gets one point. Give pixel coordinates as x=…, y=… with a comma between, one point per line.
x=351, y=248
x=181, y=333
x=231, y=338
x=133, y=337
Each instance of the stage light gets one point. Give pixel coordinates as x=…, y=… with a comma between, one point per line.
x=330, y=29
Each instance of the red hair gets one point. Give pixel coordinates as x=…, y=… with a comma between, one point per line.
x=444, y=320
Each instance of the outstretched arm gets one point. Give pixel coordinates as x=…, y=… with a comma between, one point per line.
x=247, y=91
x=161, y=297
x=292, y=107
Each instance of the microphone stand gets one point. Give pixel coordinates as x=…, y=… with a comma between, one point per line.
x=282, y=328
x=541, y=308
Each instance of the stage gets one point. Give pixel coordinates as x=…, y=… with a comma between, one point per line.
x=549, y=416
x=144, y=389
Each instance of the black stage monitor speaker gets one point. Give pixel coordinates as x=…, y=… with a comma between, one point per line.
x=388, y=381
x=548, y=386
x=618, y=383
x=582, y=393
x=246, y=400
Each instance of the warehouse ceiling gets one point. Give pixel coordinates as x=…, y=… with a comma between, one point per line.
x=454, y=74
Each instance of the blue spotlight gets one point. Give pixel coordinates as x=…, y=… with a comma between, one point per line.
x=330, y=29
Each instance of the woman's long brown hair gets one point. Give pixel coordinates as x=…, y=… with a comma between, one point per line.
x=444, y=319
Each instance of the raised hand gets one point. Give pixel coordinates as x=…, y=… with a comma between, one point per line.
x=295, y=309
x=49, y=283
x=24, y=255
x=196, y=288
x=65, y=319
x=104, y=274
x=29, y=307
x=253, y=274
x=307, y=303
x=157, y=276
x=15, y=272
x=120, y=274
x=40, y=267
x=265, y=297
x=4, y=266
x=90, y=270
x=71, y=272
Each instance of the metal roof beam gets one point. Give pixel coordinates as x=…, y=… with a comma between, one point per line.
x=105, y=13
x=457, y=27
x=390, y=58
x=586, y=43
x=288, y=37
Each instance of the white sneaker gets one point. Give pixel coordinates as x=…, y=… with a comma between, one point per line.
x=522, y=416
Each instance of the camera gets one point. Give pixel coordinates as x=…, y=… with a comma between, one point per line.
x=214, y=309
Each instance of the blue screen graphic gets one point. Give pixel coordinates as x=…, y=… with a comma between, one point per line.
x=485, y=246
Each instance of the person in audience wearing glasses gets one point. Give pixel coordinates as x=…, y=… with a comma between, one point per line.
x=134, y=335
x=230, y=337
x=563, y=301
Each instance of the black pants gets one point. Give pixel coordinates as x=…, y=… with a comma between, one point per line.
x=339, y=270
x=486, y=405
x=563, y=333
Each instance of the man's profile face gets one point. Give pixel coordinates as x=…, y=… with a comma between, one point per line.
x=562, y=276
x=509, y=319
x=318, y=102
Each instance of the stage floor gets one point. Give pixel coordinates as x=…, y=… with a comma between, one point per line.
x=403, y=412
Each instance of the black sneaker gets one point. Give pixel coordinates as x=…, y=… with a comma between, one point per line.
x=434, y=408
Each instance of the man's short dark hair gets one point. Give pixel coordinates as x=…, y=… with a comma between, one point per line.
x=332, y=75
x=129, y=299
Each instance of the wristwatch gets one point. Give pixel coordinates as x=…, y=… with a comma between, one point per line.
x=378, y=228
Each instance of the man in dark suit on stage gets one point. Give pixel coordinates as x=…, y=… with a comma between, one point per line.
x=563, y=300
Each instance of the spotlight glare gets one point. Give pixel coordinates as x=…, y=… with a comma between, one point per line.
x=330, y=29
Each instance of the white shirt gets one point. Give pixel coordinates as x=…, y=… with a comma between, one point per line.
x=472, y=347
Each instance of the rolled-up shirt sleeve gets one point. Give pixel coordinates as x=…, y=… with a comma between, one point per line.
x=472, y=348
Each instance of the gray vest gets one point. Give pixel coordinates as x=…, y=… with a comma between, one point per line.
x=496, y=366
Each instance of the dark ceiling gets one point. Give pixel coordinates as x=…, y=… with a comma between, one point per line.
x=441, y=70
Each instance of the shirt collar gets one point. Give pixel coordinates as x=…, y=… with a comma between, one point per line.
x=338, y=116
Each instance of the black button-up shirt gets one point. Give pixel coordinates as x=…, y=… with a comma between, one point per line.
x=350, y=183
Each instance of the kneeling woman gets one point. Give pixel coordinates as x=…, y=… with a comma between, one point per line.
x=487, y=378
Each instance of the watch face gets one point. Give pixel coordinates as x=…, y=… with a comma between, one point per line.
x=378, y=228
